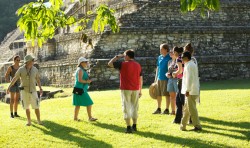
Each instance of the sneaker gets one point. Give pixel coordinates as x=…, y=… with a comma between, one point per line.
x=16, y=115
x=197, y=129
x=166, y=111
x=128, y=130
x=158, y=111
x=175, y=122
x=11, y=116
x=134, y=127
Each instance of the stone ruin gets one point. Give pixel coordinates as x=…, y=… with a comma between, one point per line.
x=221, y=42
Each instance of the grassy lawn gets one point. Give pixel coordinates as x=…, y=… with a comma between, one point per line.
x=224, y=113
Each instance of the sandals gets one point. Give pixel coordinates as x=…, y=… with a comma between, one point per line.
x=92, y=119
x=77, y=120
x=28, y=124
x=40, y=123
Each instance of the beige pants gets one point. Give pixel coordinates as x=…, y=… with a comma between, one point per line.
x=130, y=103
x=190, y=110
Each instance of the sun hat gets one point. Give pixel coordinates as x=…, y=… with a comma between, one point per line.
x=82, y=59
x=152, y=90
x=28, y=58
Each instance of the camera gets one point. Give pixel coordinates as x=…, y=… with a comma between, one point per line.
x=21, y=87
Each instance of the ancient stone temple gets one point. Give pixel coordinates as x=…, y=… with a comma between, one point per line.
x=221, y=41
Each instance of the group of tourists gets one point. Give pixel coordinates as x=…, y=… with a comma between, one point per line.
x=176, y=77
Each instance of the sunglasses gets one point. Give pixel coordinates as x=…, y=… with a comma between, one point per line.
x=17, y=60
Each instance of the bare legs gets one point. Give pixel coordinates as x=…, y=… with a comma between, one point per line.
x=28, y=117
x=77, y=109
x=14, y=98
x=172, y=100
x=89, y=111
x=159, y=99
x=167, y=102
x=37, y=112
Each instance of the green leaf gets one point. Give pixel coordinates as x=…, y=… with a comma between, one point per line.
x=105, y=16
x=89, y=13
x=70, y=20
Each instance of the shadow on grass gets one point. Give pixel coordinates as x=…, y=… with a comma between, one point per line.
x=166, y=138
x=245, y=126
x=70, y=134
x=226, y=84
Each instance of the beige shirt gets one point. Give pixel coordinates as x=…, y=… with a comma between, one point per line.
x=28, y=78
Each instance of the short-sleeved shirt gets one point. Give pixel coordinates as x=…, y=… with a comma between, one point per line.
x=28, y=78
x=162, y=64
x=130, y=72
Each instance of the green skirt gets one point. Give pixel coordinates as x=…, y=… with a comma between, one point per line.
x=82, y=100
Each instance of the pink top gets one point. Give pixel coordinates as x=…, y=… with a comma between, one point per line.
x=179, y=60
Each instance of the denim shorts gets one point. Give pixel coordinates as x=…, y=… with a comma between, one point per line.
x=172, y=85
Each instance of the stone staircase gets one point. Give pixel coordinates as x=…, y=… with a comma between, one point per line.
x=6, y=53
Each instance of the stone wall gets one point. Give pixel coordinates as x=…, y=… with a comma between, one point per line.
x=221, y=43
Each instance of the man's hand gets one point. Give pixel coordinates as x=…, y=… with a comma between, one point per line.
x=140, y=94
x=41, y=92
x=187, y=94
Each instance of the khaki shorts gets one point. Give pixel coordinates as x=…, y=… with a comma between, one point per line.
x=162, y=88
x=30, y=99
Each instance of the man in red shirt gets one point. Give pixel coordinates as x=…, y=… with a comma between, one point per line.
x=130, y=84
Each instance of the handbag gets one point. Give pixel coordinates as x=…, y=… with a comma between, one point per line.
x=78, y=91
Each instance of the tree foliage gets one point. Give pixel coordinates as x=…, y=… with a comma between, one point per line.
x=204, y=5
x=40, y=20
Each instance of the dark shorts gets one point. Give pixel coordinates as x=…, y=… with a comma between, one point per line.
x=15, y=88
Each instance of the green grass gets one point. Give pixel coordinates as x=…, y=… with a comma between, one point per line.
x=224, y=113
